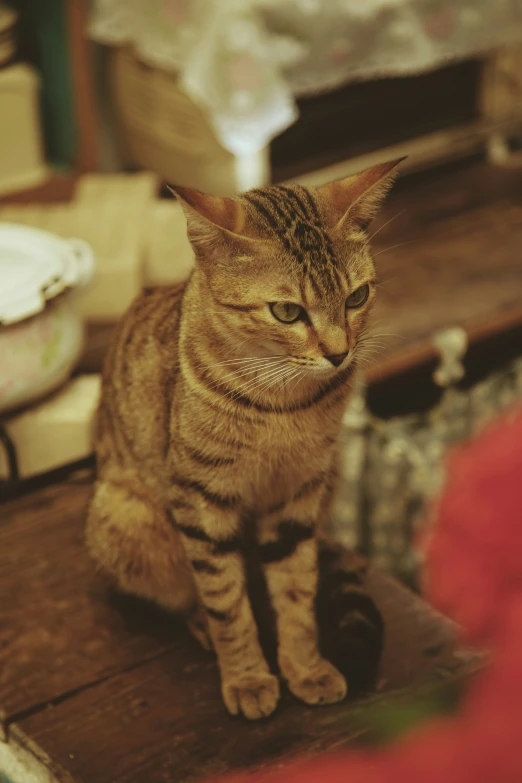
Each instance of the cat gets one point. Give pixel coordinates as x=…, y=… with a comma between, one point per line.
x=222, y=399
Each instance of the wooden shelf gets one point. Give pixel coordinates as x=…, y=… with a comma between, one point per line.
x=339, y=124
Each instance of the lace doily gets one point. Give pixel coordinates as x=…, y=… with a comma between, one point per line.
x=245, y=61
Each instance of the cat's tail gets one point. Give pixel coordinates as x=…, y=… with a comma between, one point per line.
x=351, y=629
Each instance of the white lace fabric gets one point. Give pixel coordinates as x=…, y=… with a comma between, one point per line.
x=246, y=61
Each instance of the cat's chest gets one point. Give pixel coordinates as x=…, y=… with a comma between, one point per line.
x=283, y=442
x=281, y=461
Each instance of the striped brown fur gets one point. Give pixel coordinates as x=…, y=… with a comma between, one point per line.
x=213, y=411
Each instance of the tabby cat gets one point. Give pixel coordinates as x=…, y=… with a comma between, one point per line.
x=222, y=399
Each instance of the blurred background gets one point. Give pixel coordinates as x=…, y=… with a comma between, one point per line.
x=225, y=96
x=103, y=102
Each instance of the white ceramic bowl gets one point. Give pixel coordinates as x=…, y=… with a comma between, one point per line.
x=41, y=331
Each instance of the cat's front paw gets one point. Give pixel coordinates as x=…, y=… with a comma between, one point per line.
x=254, y=695
x=321, y=684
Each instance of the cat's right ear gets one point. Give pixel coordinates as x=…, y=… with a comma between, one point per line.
x=211, y=220
x=358, y=198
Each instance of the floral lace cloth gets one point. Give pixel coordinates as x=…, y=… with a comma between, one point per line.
x=245, y=61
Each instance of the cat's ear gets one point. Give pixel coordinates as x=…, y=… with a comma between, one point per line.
x=358, y=198
x=210, y=219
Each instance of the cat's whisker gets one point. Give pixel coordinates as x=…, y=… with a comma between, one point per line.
x=369, y=343
x=241, y=362
x=271, y=370
x=367, y=359
x=293, y=371
x=374, y=348
x=295, y=374
x=253, y=360
x=374, y=323
x=236, y=390
x=374, y=343
x=368, y=336
x=393, y=247
x=247, y=359
x=369, y=346
x=237, y=376
x=264, y=389
x=270, y=377
x=271, y=384
x=373, y=356
x=258, y=381
x=244, y=370
x=298, y=381
x=372, y=328
x=248, y=370
x=375, y=336
x=386, y=224
x=385, y=283
x=256, y=359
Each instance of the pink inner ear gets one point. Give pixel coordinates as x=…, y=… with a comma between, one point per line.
x=223, y=212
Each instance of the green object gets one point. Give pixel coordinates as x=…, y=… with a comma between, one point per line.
x=389, y=719
x=44, y=43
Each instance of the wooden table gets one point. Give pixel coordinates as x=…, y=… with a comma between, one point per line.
x=104, y=689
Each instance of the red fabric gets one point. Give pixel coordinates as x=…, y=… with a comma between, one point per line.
x=473, y=574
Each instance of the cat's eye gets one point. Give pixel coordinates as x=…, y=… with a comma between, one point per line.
x=358, y=297
x=287, y=312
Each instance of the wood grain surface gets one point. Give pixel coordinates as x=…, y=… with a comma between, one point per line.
x=450, y=256
x=102, y=688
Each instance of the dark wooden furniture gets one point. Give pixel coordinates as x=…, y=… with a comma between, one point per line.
x=102, y=689
x=362, y=117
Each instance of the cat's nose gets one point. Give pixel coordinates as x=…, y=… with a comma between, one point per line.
x=337, y=358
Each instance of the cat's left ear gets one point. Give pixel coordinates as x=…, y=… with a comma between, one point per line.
x=358, y=198
x=210, y=219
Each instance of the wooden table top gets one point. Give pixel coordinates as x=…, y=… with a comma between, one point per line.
x=100, y=688
x=449, y=256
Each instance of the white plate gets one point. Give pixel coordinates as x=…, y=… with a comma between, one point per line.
x=36, y=266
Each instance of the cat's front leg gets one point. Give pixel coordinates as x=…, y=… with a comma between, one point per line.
x=288, y=550
x=210, y=535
